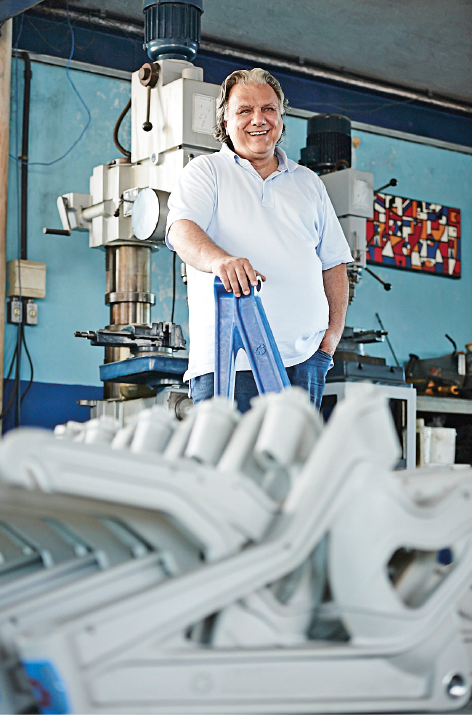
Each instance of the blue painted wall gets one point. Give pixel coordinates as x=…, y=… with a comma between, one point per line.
x=75, y=273
x=120, y=50
x=417, y=312
x=419, y=309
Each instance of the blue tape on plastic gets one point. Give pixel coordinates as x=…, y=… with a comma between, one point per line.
x=48, y=687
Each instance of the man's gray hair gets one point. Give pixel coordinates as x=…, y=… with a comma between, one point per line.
x=254, y=76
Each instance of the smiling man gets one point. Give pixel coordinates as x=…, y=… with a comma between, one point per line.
x=249, y=210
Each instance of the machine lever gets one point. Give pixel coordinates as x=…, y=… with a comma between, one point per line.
x=392, y=182
x=62, y=207
x=387, y=286
x=57, y=231
x=388, y=340
x=147, y=126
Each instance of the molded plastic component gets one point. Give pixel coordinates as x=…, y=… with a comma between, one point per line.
x=145, y=370
x=214, y=422
x=153, y=430
x=241, y=323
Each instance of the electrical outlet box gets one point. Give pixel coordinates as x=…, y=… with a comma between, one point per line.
x=27, y=278
x=31, y=313
x=14, y=311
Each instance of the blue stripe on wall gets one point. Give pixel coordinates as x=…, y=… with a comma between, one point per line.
x=116, y=50
x=106, y=49
x=359, y=106
x=48, y=404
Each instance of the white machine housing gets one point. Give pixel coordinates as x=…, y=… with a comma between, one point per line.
x=182, y=111
x=352, y=195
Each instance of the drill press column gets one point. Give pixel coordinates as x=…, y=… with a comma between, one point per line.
x=128, y=293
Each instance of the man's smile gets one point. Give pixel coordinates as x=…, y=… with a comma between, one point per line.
x=253, y=121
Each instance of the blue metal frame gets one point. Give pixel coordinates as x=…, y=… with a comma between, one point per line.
x=144, y=370
x=241, y=323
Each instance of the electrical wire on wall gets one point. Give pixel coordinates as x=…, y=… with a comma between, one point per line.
x=22, y=162
x=76, y=92
x=16, y=397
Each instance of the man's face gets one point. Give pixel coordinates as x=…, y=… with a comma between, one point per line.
x=253, y=120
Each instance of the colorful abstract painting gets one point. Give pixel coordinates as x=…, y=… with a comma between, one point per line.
x=415, y=235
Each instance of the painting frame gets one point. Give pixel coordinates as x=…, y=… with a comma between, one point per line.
x=413, y=235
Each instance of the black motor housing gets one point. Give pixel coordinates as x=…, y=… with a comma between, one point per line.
x=328, y=143
x=172, y=29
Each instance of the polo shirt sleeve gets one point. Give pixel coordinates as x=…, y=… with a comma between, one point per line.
x=333, y=248
x=194, y=196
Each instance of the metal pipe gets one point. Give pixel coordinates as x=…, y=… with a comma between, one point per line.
x=128, y=293
x=24, y=157
x=117, y=129
x=5, y=85
x=128, y=284
x=104, y=208
x=292, y=111
x=208, y=44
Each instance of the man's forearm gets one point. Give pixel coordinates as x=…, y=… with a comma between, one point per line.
x=336, y=287
x=198, y=250
x=194, y=246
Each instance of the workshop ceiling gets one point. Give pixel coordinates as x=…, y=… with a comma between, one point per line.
x=419, y=44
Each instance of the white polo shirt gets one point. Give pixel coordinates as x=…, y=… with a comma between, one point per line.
x=284, y=225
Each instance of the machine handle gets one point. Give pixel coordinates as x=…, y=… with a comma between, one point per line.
x=62, y=207
x=147, y=126
x=57, y=231
x=392, y=182
x=387, y=286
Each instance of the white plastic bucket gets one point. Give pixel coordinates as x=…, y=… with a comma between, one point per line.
x=443, y=445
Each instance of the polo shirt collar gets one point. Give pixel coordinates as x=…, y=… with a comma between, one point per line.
x=285, y=164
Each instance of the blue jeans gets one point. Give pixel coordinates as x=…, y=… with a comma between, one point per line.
x=310, y=375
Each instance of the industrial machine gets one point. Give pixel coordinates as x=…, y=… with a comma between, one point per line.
x=328, y=153
x=443, y=376
x=172, y=119
x=351, y=361
x=353, y=364
x=258, y=566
